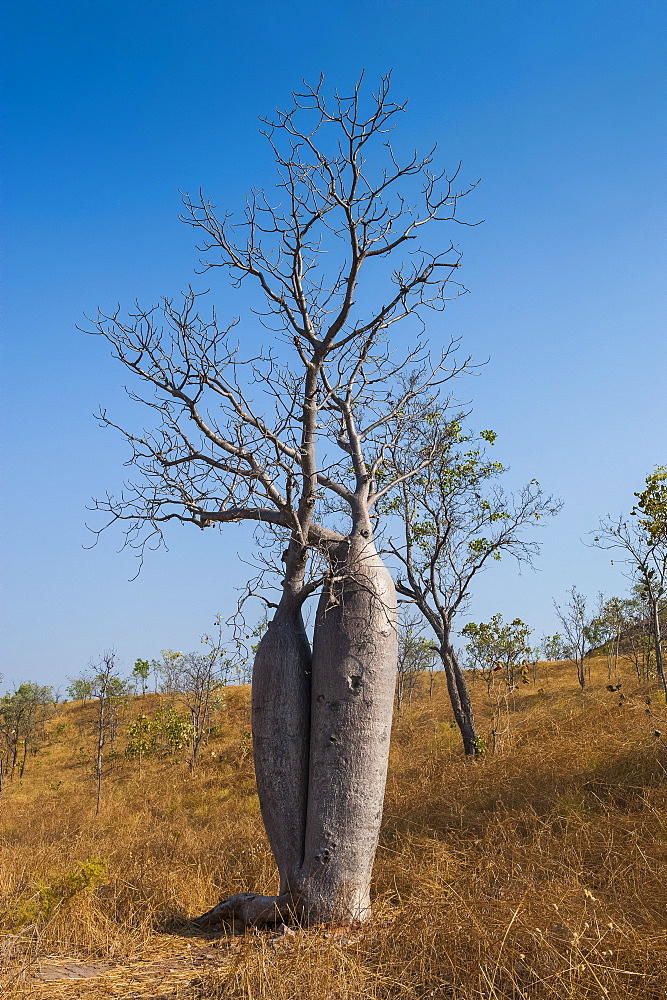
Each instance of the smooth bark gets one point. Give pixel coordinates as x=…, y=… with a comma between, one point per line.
x=354, y=667
x=321, y=730
x=281, y=735
x=247, y=909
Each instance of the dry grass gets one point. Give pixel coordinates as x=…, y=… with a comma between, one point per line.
x=537, y=872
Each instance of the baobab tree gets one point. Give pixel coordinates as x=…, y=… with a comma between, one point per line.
x=295, y=438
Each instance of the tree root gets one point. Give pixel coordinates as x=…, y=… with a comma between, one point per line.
x=247, y=909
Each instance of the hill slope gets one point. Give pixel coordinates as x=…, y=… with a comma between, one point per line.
x=538, y=871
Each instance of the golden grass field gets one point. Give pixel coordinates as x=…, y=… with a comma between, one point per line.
x=537, y=872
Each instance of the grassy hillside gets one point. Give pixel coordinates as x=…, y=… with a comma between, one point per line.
x=539, y=871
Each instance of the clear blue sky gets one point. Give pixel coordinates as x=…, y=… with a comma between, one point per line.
x=108, y=108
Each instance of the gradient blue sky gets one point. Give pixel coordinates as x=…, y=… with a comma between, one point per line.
x=108, y=108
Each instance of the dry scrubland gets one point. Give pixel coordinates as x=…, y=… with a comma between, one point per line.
x=539, y=871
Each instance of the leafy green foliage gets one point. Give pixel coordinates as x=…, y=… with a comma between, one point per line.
x=22, y=717
x=50, y=894
x=652, y=506
x=142, y=737
x=141, y=671
x=416, y=654
x=643, y=543
x=456, y=515
x=497, y=645
x=80, y=689
x=553, y=647
x=167, y=732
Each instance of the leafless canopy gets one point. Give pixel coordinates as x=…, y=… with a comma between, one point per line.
x=294, y=433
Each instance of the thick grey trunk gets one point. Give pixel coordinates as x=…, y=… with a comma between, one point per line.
x=354, y=667
x=281, y=734
x=321, y=730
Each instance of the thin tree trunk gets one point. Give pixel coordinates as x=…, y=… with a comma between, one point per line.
x=399, y=694
x=459, y=697
x=658, y=646
x=100, y=748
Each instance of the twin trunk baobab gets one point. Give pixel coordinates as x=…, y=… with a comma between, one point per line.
x=310, y=466
x=321, y=728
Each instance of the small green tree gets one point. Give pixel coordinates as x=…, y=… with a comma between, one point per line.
x=499, y=646
x=174, y=731
x=142, y=739
x=22, y=717
x=553, y=648
x=80, y=689
x=167, y=671
x=110, y=690
x=415, y=655
x=576, y=621
x=455, y=521
x=499, y=649
x=614, y=618
x=643, y=542
x=141, y=671
x=166, y=733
